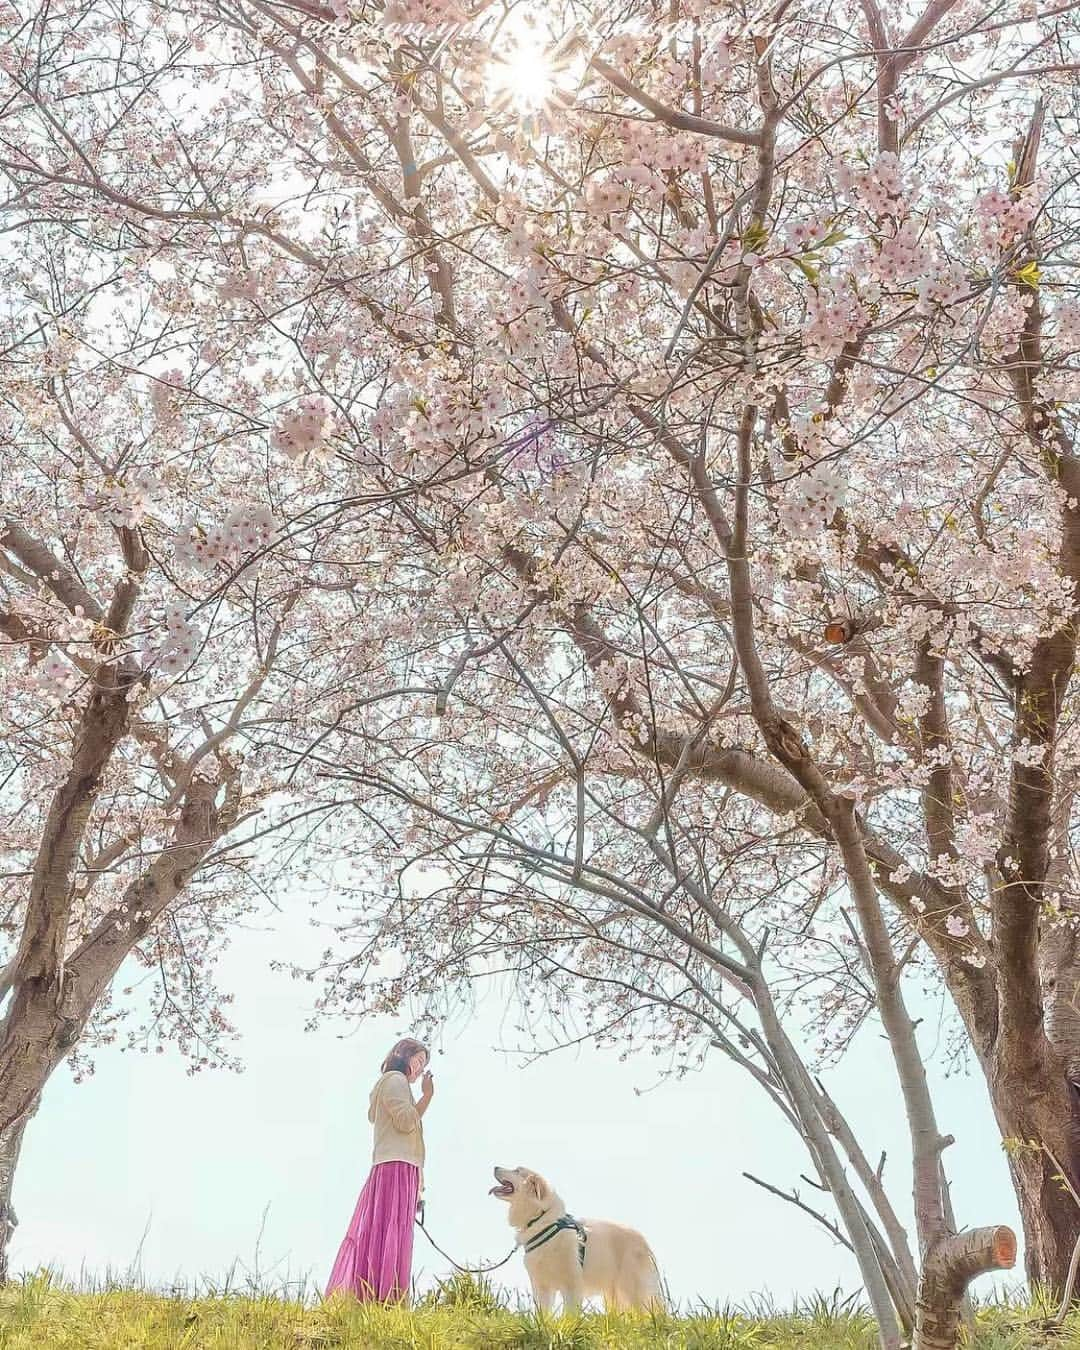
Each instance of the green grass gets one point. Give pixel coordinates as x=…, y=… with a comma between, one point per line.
x=42, y=1313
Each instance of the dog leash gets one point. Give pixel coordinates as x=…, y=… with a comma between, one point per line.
x=465, y=1270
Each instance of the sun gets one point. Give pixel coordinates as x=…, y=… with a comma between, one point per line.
x=528, y=78
x=521, y=73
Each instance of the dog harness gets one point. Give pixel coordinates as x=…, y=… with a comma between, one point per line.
x=561, y=1225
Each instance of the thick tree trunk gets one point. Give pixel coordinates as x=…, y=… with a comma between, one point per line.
x=46, y=1014
x=949, y=1267
x=34, y=1039
x=42, y=1039
x=10, y=1148
x=1035, y=1110
x=39, y=1029
x=1049, y=1217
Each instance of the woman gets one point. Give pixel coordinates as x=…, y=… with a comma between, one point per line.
x=375, y=1258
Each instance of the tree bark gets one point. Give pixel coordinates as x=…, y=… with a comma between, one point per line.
x=10, y=1147
x=1049, y=1219
x=830, y=1167
x=837, y=1125
x=46, y=1015
x=789, y=749
x=1034, y=1117
x=901, y=1290
x=948, y=1268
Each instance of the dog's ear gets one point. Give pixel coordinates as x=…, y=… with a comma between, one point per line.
x=537, y=1185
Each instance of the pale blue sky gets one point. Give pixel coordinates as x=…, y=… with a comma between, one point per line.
x=194, y=1163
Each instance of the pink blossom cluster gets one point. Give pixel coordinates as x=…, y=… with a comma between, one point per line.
x=249, y=528
x=942, y=289
x=390, y=417
x=716, y=62
x=976, y=838
x=1005, y=322
x=523, y=333
x=807, y=234
x=646, y=179
x=522, y=231
x=903, y=254
x=166, y=396
x=525, y=290
x=834, y=316
x=180, y=645
x=809, y=501
x=1031, y=756
x=427, y=414
x=245, y=531
x=520, y=240
x=418, y=16
x=628, y=46
x=913, y=701
x=240, y=286
x=1067, y=325
x=810, y=428
x=605, y=198
x=1002, y=215
x=879, y=187
x=203, y=550
x=56, y=677
x=302, y=430
x=124, y=502
x=654, y=148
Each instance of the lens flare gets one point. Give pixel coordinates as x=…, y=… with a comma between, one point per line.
x=521, y=73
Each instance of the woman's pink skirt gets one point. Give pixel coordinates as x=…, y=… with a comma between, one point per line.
x=375, y=1257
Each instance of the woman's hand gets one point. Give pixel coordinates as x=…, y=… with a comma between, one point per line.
x=427, y=1091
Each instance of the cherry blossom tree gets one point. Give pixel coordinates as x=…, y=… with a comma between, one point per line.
x=167, y=622
x=673, y=336
x=157, y=654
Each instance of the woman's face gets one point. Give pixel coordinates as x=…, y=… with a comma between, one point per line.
x=417, y=1065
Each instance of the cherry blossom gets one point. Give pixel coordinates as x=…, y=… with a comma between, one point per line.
x=302, y=430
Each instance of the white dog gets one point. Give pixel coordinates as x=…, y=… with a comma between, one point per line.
x=575, y=1259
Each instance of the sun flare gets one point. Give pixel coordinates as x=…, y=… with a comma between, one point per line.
x=522, y=74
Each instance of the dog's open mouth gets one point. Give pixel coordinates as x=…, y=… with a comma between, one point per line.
x=504, y=1190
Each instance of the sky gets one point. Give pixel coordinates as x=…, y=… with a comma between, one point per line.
x=147, y=1172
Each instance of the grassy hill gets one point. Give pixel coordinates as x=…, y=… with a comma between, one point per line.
x=42, y=1314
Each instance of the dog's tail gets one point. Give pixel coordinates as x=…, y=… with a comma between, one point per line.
x=657, y=1295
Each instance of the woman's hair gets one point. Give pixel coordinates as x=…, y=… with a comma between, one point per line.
x=398, y=1058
